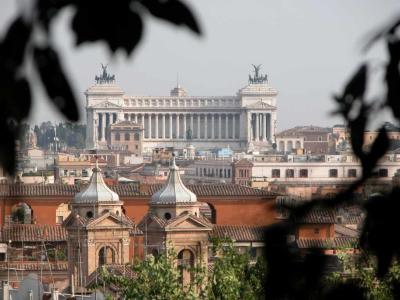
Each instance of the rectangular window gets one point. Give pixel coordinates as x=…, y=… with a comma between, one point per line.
x=303, y=173
x=383, y=173
x=333, y=173
x=276, y=173
x=352, y=173
x=60, y=219
x=289, y=173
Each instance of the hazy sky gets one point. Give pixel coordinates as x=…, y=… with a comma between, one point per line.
x=307, y=48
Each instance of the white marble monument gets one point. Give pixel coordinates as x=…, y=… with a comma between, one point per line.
x=243, y=122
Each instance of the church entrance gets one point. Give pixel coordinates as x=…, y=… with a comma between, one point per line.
x=106, y=256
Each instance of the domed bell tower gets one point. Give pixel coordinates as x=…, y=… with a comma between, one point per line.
x=98, y=232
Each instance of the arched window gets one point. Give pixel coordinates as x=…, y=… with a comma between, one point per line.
x=62, y=213
x=127, y=136
x=282, y=146
x=303, y=173
x=290, y=146
x=137, y=136
x=185, y=262
x=106, y=256
x=333, y=173
x=22, y=213
x=117, y=136
x=209, y=212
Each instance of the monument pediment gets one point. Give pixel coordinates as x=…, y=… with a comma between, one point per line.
x=72, y=221
x=260, y=105
x=106, y=104
x=108, y=220
x=188, y=222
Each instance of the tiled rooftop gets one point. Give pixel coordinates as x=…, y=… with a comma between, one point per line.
x=33, y=233
x=239, y=233
x=338, y=242
x=35, y=266
x=127, y=190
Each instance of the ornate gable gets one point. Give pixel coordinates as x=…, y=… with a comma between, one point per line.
x=105, y=104
x=261, y=105
x=188, y=222
x=109, y=220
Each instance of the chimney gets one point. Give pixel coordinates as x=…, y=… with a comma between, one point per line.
x=5, y=290
x=54, y=294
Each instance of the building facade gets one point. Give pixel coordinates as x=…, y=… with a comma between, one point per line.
x=245, y=121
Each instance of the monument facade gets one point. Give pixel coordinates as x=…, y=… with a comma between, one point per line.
x=245, y=121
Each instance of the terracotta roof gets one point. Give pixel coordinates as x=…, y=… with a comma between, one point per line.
x=35, y=266
x=115, y=269
x=128, y=190
x=10, y=190
x=341, y=215
x=218, y=190
x=239, y=233
x=338, y=242
x=33, y=233
x=316, y=216
x=341, y=230
x=301, y=130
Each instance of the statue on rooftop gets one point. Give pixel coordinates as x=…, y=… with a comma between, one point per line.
x=104, y=78
x=258, y=77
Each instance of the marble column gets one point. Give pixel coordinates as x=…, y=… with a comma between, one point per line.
x=205, y=126
x=184, y=126
x=257, y=126
x=269, y=127
x=233, y=126
x=192, y=124
x=249, y=127
x=150, y=129
x=264, y=127
x=157, y=132
x=170, y=126
x=198, y=126
x=178, y=126
x=136, y=118
x=163, y=126
x=220, y=126
x=212, y=126
x=226, y=126
x=103, y=127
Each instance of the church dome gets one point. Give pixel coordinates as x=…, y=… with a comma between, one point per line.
x=174, y=191
x=97, y=191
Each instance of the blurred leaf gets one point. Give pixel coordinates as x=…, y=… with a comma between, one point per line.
x=7, y=148
x=173, y=11
x=383, y=32
x=380, y=230
x=392, y=78
x=357, y=128
x=378, y=149
x=13, y=46
x=116, y=24
x=357, y=84
x=48, y=9
x=56, y=84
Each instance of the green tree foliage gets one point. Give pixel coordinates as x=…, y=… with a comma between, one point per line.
x=233, y=277
x=156, y=278
x=361, y=271
x=68, y=134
